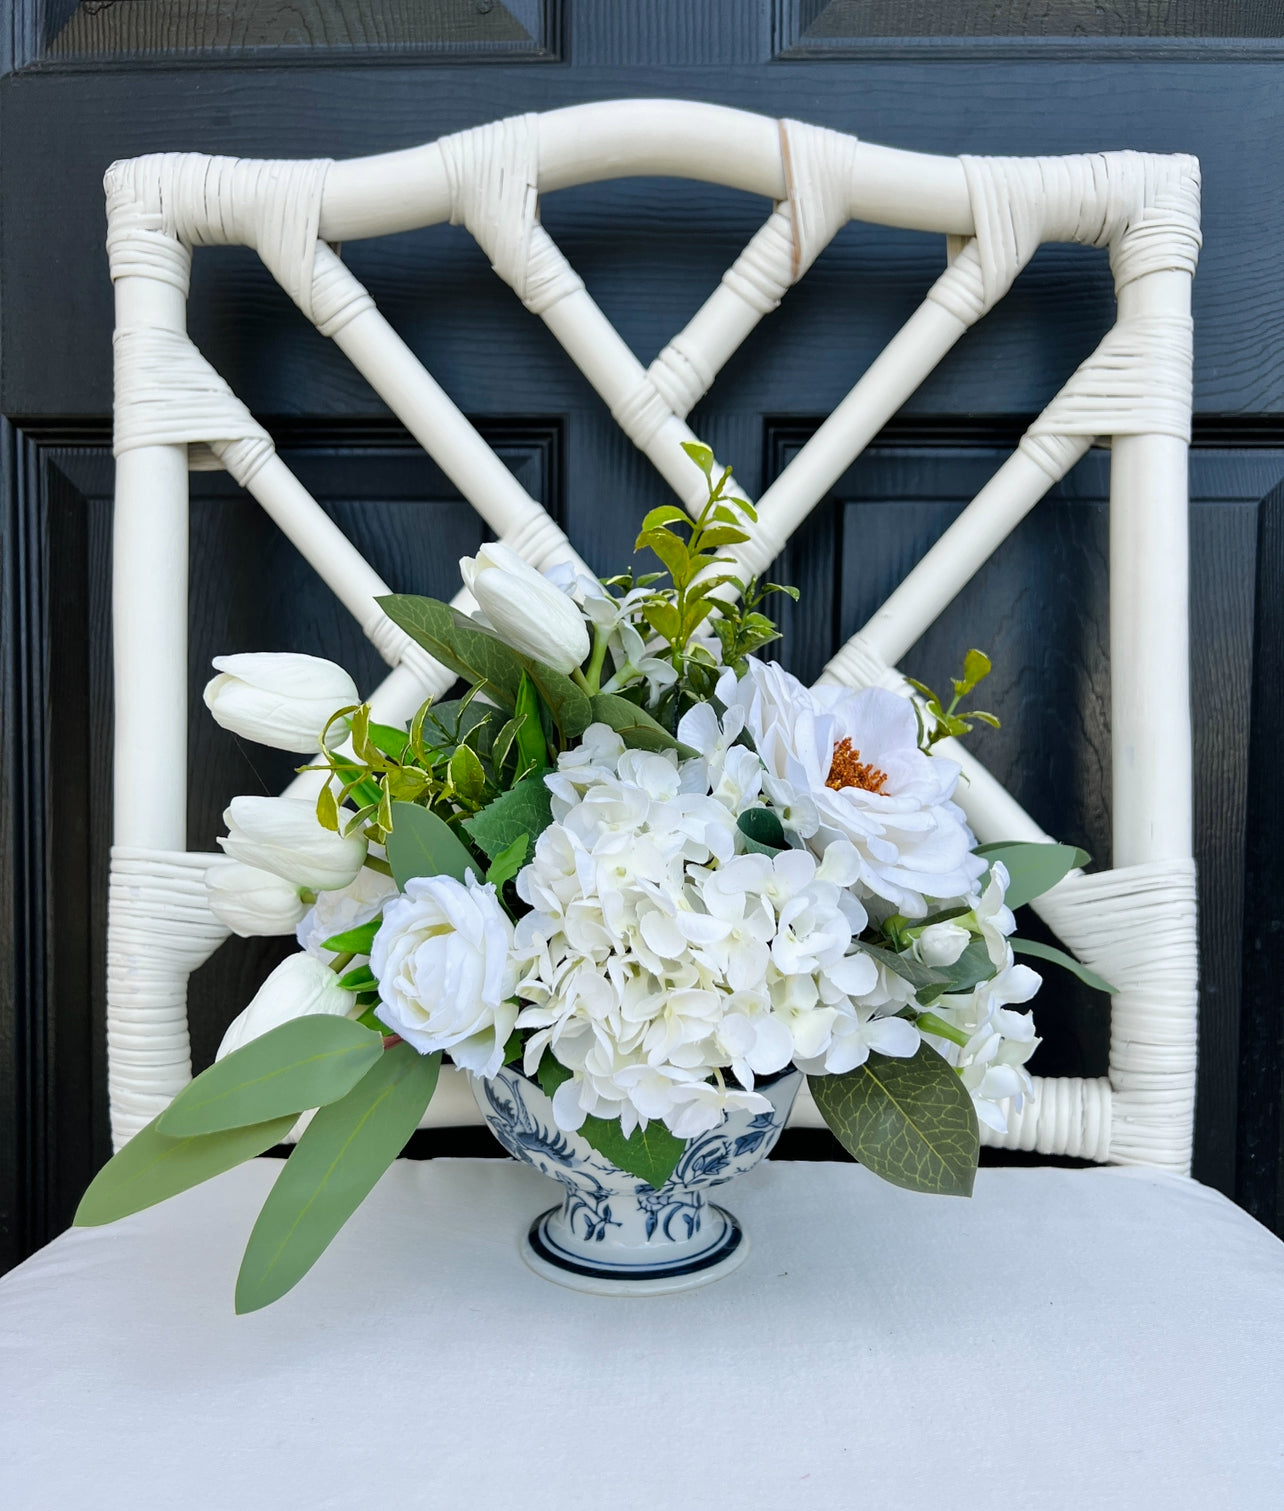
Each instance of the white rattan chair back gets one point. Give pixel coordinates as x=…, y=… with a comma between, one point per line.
x=1135, y=924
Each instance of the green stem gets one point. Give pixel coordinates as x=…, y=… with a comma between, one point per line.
x=340, y=963
x=929, y=1023
x=375, y=864
x=577, y=676
x=593, y=677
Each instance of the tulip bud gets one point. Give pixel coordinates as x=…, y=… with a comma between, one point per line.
x=252, y=902
x=941, y=943
x=525, y=610
x=282, y=835
x=280, y=700
x=299, y=986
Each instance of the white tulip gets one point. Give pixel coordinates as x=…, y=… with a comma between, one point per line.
x=280, y=700
x=282, y=835
x=252, y=902
x=526, y=610
x=300, y=986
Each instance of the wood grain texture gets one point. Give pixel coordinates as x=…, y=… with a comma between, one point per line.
x=826, y=20
x=231, y=31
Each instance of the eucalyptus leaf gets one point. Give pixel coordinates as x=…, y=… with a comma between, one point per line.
x=304, y=1063
x=343, y=1151
x=151, y=1168
x=910, y=1121
x=458, y=644
x=761, y=831
x=635, y=726
x=1033, y=869
x=1059, y=957
x=421, y=844
x=525, y=809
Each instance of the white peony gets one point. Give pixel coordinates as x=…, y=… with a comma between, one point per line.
x=524, y=608
x=299, y=987
x=283, y=700
x=846, y=765
x=446, y=973
x=251, y=902
x=282, y=835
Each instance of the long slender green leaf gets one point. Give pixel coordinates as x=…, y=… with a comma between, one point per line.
x=151, y=1168
x=1059, y=957
x=910, y=1121
x=1032, y=869
x=304, y=1063
x=344, y=1150
x=635, y=726
x=421, y=844
x=465, y=648
x=570, y=706
x=358, y=941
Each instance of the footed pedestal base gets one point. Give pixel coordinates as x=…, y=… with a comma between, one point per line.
x=617, y=1271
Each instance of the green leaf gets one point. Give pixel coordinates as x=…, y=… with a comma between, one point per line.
x=569, y=704
x=666, y=514
x=356, y=941
x=360, y=979
x=523, y=811
x=910, y=1121
x=151, y=1168
x=663, y=619
x=458, y=643
x=919, y=976
x=761, y=831
x=722, y=535
x=391, y=741
x=550, y=1073
x=466, y=773
x=513, y=1048
x=651, y=1153
x=976, y=667
x=304, y=1063
x=700, y=455
x=635, y=726
x=421, y=844
x=673, y=553
x=343, y=1151
x=973, y=966
x=509, y=861
x=1032, y=868
x=1059, y=957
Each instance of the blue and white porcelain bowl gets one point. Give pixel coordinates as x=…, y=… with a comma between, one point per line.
x=615, y=1234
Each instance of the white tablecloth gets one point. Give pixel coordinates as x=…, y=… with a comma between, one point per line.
x=1096, y=1338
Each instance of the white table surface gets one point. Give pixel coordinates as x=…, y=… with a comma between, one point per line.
x=1095, y=1338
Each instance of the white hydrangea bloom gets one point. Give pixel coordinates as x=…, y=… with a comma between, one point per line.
x=349, y=907
x=656, y=957
x=846, y=765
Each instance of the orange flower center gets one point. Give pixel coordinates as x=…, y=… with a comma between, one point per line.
x=846, y=769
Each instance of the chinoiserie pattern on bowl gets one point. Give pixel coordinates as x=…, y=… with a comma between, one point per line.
x=614, y=1233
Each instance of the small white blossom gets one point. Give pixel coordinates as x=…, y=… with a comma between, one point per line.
x=347, y=908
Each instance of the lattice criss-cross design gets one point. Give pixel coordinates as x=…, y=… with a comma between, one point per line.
x=1135, y=924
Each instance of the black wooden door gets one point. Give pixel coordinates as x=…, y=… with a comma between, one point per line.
x=87, y=83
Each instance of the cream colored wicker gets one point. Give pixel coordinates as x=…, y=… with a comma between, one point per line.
x=1135, y=924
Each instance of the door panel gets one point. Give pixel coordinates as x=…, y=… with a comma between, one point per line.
x=86, y=84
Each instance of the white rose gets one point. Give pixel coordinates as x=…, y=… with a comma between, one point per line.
x=443, y=957
x=526, y=610
x=252, y=902
x=282, y=835
x=299, y=987
x=337, y=912
x=283, y=700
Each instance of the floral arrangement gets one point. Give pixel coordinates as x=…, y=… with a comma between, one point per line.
x=632, y=858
